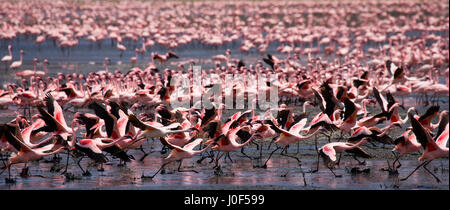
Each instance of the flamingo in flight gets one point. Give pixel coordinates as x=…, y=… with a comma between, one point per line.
x=180, y=153
x=434, y=148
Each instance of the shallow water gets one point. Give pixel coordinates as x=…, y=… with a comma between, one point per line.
x=281, y=173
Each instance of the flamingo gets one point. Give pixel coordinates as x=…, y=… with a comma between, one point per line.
x=291, y=136
x=150, y=131
x=434, y=148
x=328, y=152
x=17, y=64
x=25, y=154
x=7, y=58
x=30, y=73
x=165, y=57
x=179, y=154
x=93, y=149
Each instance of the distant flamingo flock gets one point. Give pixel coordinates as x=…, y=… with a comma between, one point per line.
x=332, y=58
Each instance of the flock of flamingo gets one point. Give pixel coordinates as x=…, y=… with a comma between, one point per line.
x=356, y=54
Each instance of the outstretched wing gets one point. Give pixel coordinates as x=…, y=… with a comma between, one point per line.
x=101, y=112
x=136, y=122
x=297, y=127
x=193, y=144
x=422, y=135
x=49, y=100
x=442, y=137
x=350, y=108
x=390, y=100
x=429, y=114
x=330, y=152
x=380, y=99
x=359, y=152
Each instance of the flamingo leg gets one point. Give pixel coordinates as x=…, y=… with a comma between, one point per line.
x=79, y=165
x=359, y=162
x=67, y=162
x=265, y=163
x=202, y=158
x=403, y=179
x=24, y=172
x=211, y=156
x=257, y=146
x=4, y=164
x=101, y=167
x=425, y=167
x=335, y=175
x=179, y=168
x=284, y=150
x=318, y=156
x=229, y=157
x=397, y=159
x=217, y=159
x=151, y=177
x=286, y=155
x=339, y=160
x=145, y=153
x=242, y=151
x=9, y=180
x=260, y=149
x=273, y=139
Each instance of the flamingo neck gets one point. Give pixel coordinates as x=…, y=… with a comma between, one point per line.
x=407, y=115
x=177, y=131
x=202, y=150
x=365, y=109
x=304, y=107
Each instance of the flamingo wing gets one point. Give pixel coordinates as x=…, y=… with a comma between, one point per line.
x=358, y=151
x=51, y=124
x=442, y=137
x=26, y=133
x=429, y=114
x=193, y=144
x=274, y=127
x=18, y=144
x=380, y=99
x=55, y=109
x=89, y=122
x=319, y=99
x=235, y=116
x=297, y=127
x=359, y=134
x=390, y=100
x=109, y=119
x=330, y=152
x=350, y=108
x=209, y=115
x=422, y=135
x=136, y=122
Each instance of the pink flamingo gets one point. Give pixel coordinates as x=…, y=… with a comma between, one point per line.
x=26, y=154
x=7, y=58
x=328, y=152
x=434, y=148
x=179, y=154
x=291, y=136
x=17, y=64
